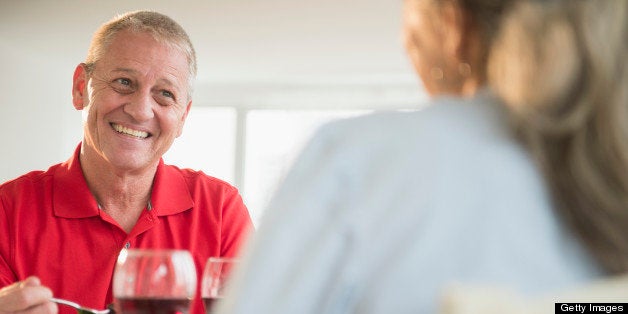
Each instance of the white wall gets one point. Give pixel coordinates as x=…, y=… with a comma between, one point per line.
x=239, y=43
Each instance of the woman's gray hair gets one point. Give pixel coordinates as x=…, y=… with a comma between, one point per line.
x=561, y=66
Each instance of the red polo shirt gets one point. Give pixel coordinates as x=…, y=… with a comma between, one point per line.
x=51, y=227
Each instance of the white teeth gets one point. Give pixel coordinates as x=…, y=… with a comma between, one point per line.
x=123, y=130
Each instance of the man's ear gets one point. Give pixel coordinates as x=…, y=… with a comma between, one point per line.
x=79, y=86
x=185, y=115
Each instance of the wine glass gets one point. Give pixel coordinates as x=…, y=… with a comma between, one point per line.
x=154, y=281
x=215, y=275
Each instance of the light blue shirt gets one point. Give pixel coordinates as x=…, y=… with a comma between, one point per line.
x=380, y=213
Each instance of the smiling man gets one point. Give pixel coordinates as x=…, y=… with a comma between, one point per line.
x=62, y=229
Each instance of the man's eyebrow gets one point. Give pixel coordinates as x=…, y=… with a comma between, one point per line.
x=126, y=70
x=164, y=81
x=167, y=82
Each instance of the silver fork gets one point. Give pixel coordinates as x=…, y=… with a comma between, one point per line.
x=80, y=309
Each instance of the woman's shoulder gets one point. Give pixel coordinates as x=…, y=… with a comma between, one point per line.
x=445, y=121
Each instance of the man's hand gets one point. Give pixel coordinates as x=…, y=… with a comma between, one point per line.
x=26, y=296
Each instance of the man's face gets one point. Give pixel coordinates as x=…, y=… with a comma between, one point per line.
x=136, y=102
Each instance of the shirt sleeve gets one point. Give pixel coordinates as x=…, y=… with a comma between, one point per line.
x=7, y=276
x=236, y=224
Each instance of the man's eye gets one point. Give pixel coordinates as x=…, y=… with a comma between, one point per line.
x=123, y=81
x=167, y=94
x=122, y=85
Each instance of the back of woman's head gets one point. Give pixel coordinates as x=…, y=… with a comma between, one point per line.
x=561, y=67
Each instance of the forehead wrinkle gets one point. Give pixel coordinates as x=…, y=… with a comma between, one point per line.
x=166, y=82
x=125, y=70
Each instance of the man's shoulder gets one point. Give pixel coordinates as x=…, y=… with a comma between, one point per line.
x=198, y=178
x=32, y=178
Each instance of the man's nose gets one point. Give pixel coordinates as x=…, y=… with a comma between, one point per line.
x=140, y=106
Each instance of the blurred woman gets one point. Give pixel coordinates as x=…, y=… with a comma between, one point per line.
x=381, y=213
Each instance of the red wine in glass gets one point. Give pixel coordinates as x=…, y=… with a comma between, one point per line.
x=209, y=302
x=153, y=305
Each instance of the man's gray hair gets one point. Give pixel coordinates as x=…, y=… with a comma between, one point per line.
x=161, y=27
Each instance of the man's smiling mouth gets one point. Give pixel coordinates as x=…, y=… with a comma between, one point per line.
x=124, y=130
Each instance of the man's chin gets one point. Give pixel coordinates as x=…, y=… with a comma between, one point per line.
x=132, y=163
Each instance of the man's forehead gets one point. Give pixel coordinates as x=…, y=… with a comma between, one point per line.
x=144, y=44
x=141, y=53
x=124, y=56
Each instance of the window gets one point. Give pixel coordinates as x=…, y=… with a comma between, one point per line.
x=207, y=142
x=274, y=139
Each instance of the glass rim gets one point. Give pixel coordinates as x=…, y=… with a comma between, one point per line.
x=222, y=259
x=156, y=252
x=182, y=266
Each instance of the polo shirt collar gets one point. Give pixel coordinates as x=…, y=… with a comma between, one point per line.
x=170, y=194
x=73, y=199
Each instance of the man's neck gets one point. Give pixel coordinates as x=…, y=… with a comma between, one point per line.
x=121, y=194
